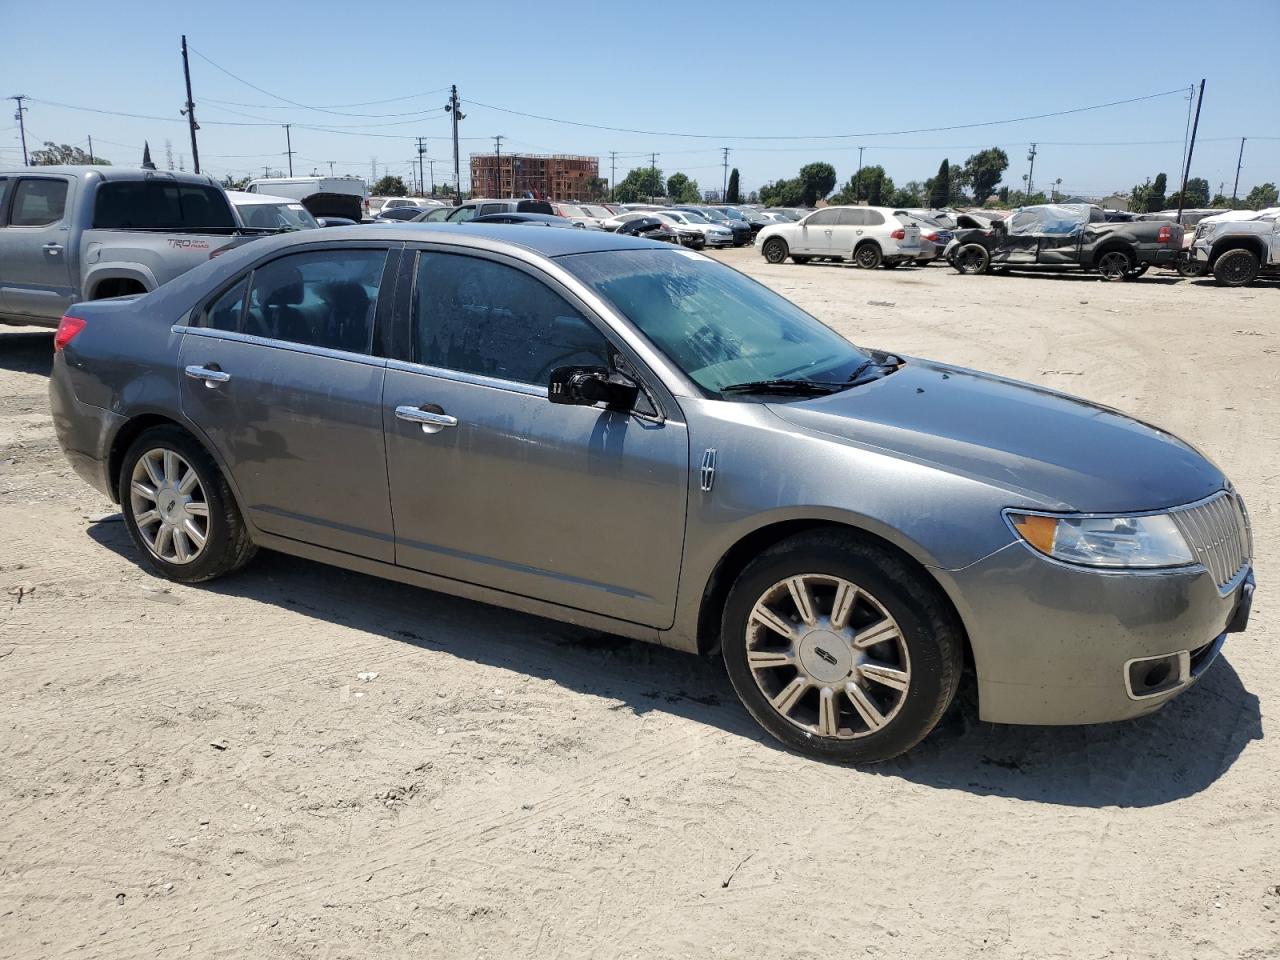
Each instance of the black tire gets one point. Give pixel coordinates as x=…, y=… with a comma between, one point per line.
x=800, y=260
x=774, y=250
x=891, y=264
x=868, y=256
x=927, y=629
x=1137, y=271
x=971, y=259
x=1190, y=269
x=1114, y=265
x=1236, y=268
x=228, y=546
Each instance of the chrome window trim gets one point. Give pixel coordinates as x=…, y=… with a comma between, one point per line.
x=472, y=379
x=327, y=352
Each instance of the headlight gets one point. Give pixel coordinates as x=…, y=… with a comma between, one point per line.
x=1120, y=541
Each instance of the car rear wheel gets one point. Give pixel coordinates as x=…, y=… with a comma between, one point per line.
x=1115, y=265
x=1236, y=268
x=179, y=509
x=1192, y=269
x=867, y=256
x=839, y=649
x=775, y=250
x=971, y=259
x=800, y=260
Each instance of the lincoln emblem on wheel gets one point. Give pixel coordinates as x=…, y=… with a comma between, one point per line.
x=638, y=439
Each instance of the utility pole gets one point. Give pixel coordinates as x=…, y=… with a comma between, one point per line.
x=190, y=110
x=1191, y=148
x=497, y=166
x=857, y=177
x=288, y=141
x=613, y=170
x=91, y=152
x=456, y=114
x=1031, y=174
x=431, y=172
x=373, y=170
x=724, y=189
x=421, y=176
x=653, y=176
x=22, y=127
x=1239, y=163
x=330, y=162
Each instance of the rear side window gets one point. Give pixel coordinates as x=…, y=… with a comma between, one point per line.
x=323, y=298
x=38, y=203
x=852, y=218
x=156, y=205
x=225, y=312
x=491, y=208
x=874, y=218
x=480, y=317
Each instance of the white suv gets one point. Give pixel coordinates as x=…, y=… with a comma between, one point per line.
x=869, y=236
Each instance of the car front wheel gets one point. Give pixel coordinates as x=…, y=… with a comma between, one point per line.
x=1236, y=268
x=775, y=250
x=839, y=649
x=179, y=509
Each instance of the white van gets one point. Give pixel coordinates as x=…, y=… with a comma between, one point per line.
x=323, y=196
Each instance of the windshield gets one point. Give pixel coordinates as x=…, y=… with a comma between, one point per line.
x=732, y=214
x=715, y=215
x=717, y=325
x=569, y=210
x=692, y=217
x=277, y=216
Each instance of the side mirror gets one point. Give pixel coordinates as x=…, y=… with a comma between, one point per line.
x=587, y=386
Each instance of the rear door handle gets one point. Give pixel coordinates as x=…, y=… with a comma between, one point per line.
x=211, y=378
x=53, y=248
x=432, y=420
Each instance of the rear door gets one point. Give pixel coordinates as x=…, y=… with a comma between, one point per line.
x=579, y=506
x=844, y=233
x=35, y=248
x=283, y=376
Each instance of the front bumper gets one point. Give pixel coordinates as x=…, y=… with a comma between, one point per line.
x=1056, y=644
x=1200, y=251
x=84, y=432
x=720, y=240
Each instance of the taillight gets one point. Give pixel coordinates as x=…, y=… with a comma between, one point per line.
x=68, y=327
x=899, y=234
x=931, y=237
x=1166, y=233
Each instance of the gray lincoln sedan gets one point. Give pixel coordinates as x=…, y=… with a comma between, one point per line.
x=620, y=434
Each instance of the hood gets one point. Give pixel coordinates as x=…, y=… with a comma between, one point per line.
x=1048, y=449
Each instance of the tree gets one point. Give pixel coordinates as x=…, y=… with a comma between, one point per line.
x=683, y=190
x=235, y=183
x=1262, y=196
x=731, y=195
x=389, y=186
x=782, y=193
x=816, y=181
x=60, y=154
x=940, y=186
x=639, y=184
x=983, y=171
x=597, y=188
x=870, y=184
x=1197, y=194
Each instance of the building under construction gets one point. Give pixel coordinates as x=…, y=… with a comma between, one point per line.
x=554, y=177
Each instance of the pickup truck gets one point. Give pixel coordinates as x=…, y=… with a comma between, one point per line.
x=87, y=233
x=1066, y=235
x=1238, y=246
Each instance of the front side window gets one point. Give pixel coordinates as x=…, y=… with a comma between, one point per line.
x=462, y=214
x=38, y=203
x=715, y=324
x=323, y=298
x=824, y=218
x=486, y=318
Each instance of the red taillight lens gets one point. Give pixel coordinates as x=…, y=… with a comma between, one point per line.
x=899, y=234
x=68, y=327
x=931, y=237
x=1166, y=233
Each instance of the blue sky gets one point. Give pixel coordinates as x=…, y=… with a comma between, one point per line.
x=733, y=71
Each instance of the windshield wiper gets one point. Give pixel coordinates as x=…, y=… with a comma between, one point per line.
x=784, y=385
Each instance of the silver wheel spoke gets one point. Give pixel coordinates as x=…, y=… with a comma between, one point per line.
x=869, y=712
x=885, y=674
x=188, y=483
x=181, y=545
x=790, y=695
x=198, y=508
x=146, y=517
x=764, y=615
x=193, y=533
x=144, y=491
x=828, y=714
x=846, y=595
x=768, y=659
x=803, y=600
x=886, y=629
x=170, y=467
x=164, y=540
x=153, y=471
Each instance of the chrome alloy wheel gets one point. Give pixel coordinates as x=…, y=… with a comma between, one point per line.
x=169, y=506
x=828, y=656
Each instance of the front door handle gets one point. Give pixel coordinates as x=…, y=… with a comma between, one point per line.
x=210, y=377
x=52, y=248
x=431, y=416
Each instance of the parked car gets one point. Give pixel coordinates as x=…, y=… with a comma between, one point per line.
x=793, y=214
x=378, y=205
x=579, y=215
x=537, y=219
x=869, y=236
x=87, y=233
x=336, y=222
x=750, y=217
x=740, y=229
x=698, y=462
x=1067, y=235
x=404, y=213
x=651, y=228
x=323, y=196
x=1239, y=246
x=713, y=234
x=484, y=208
x=263, y=212
x=934, y=237
x=434, y=215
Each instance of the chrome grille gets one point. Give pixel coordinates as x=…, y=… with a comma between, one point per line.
x=1217, y=531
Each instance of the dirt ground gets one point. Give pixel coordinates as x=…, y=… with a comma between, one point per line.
x=203, y=772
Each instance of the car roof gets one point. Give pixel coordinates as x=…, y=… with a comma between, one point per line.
x=548, y=243
x=242, y=199
x=114, y=173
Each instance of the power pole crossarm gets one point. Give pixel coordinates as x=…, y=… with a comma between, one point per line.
x=190, y=109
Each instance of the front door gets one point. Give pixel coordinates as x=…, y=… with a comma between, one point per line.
x=35, y=249
x=815, y=237
x=279, y=376
x=579, y=506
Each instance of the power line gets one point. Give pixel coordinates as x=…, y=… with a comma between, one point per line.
x=330, y=106
x=831, y=136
